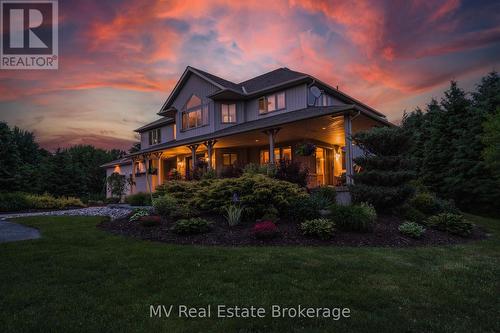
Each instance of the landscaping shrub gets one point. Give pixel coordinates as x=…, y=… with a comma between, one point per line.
x=137, y=214
x=22, y=201
x=383, y=181
x=112, y=200
x=11, y=202
x=292, y=172
x=195, y=225
x=303, y=208
x=359, y=218
x=233, y=215
x=270, y=214
x=410, y=213
x=254, y=192
x=411, y=229
x=170, y=208
x=453, y=223
x=321, y=228
x=150, y=220
x=327, y=192
x=139, y=199
x=265, y=230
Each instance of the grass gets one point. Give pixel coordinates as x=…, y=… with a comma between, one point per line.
x=78, y=278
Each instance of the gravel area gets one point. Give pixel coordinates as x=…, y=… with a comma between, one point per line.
x=113, y=213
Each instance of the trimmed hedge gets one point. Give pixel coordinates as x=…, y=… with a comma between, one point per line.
x=411, y=229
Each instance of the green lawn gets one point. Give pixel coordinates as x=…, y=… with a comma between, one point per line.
x=79, y=278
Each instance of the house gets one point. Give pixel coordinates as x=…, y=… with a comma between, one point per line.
x=282, y=115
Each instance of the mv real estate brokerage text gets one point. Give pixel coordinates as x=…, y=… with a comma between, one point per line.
x=235, y=311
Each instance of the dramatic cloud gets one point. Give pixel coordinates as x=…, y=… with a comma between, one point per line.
x=120, y=59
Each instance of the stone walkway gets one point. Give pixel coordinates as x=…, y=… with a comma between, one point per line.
x=11, y=232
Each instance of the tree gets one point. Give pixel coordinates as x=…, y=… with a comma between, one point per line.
x=116, y=184
x=135, y=147
x=385, y=170
x=10, y=160
x=491, y=141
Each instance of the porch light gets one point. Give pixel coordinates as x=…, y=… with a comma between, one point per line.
x=323, y=128
x=256, y=140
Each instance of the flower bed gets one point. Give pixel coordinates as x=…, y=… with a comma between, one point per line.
x=385, y=233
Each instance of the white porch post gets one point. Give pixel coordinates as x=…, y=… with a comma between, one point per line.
x=210, y=145
x=272, y=137
x=159, y=169
x=348, y=148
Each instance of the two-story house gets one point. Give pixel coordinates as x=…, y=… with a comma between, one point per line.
x=223, y=126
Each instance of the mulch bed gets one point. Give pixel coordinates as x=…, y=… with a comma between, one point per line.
x=385, y=234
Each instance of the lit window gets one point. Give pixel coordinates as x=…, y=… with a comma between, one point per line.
x=228, y=113
x=229, y=159
x=194, y=113
x=264, y=156
x=280, y=100
x=154, y=137
x=272, y=103
x=287, y=154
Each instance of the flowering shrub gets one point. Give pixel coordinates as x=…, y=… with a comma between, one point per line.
x=265, y=230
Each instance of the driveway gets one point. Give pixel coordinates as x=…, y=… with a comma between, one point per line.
x=11, y=232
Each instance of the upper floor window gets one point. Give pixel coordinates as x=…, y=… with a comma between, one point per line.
x=272, y=103
x=154, y=137
x=228, y=113
x=194, y=113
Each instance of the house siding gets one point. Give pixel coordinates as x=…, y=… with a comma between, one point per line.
x=295, y=99
x=201, y=88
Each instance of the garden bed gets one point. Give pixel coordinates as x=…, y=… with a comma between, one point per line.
x=385, y=234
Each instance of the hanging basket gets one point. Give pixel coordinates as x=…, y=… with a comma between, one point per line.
x=305, y=149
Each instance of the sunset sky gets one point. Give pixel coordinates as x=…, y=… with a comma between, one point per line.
x=120, y=59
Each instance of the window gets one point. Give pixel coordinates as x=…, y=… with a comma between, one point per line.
x=326, y=100
x=154, y=137
x=279, y=154
x=228, y=113
x=194, y=113
x=229, y=159
x=272, y=103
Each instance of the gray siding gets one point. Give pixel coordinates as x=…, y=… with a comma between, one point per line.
x=295, y=99
x=201, y=88
x=167, y=134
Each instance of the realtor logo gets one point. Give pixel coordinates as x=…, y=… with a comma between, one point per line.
x=29, y=32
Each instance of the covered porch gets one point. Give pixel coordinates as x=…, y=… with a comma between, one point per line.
x=321, y=144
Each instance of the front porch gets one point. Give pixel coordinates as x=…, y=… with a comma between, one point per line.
x=322, y=145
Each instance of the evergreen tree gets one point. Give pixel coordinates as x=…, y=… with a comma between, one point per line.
x=383, y=181
x=10, y=160
x=491, y=141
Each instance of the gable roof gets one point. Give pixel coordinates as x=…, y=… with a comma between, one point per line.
x=155, y=124
x=275, y=79
x=270, y=79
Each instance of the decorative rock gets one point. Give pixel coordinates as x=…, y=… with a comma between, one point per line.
x=113, y=213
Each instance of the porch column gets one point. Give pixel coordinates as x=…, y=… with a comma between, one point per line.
x=159, y=169
x=147, y=165
x=348, y=149
x=210, y=145
x=193, y=154
x=132, y=185
x=272, y=137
